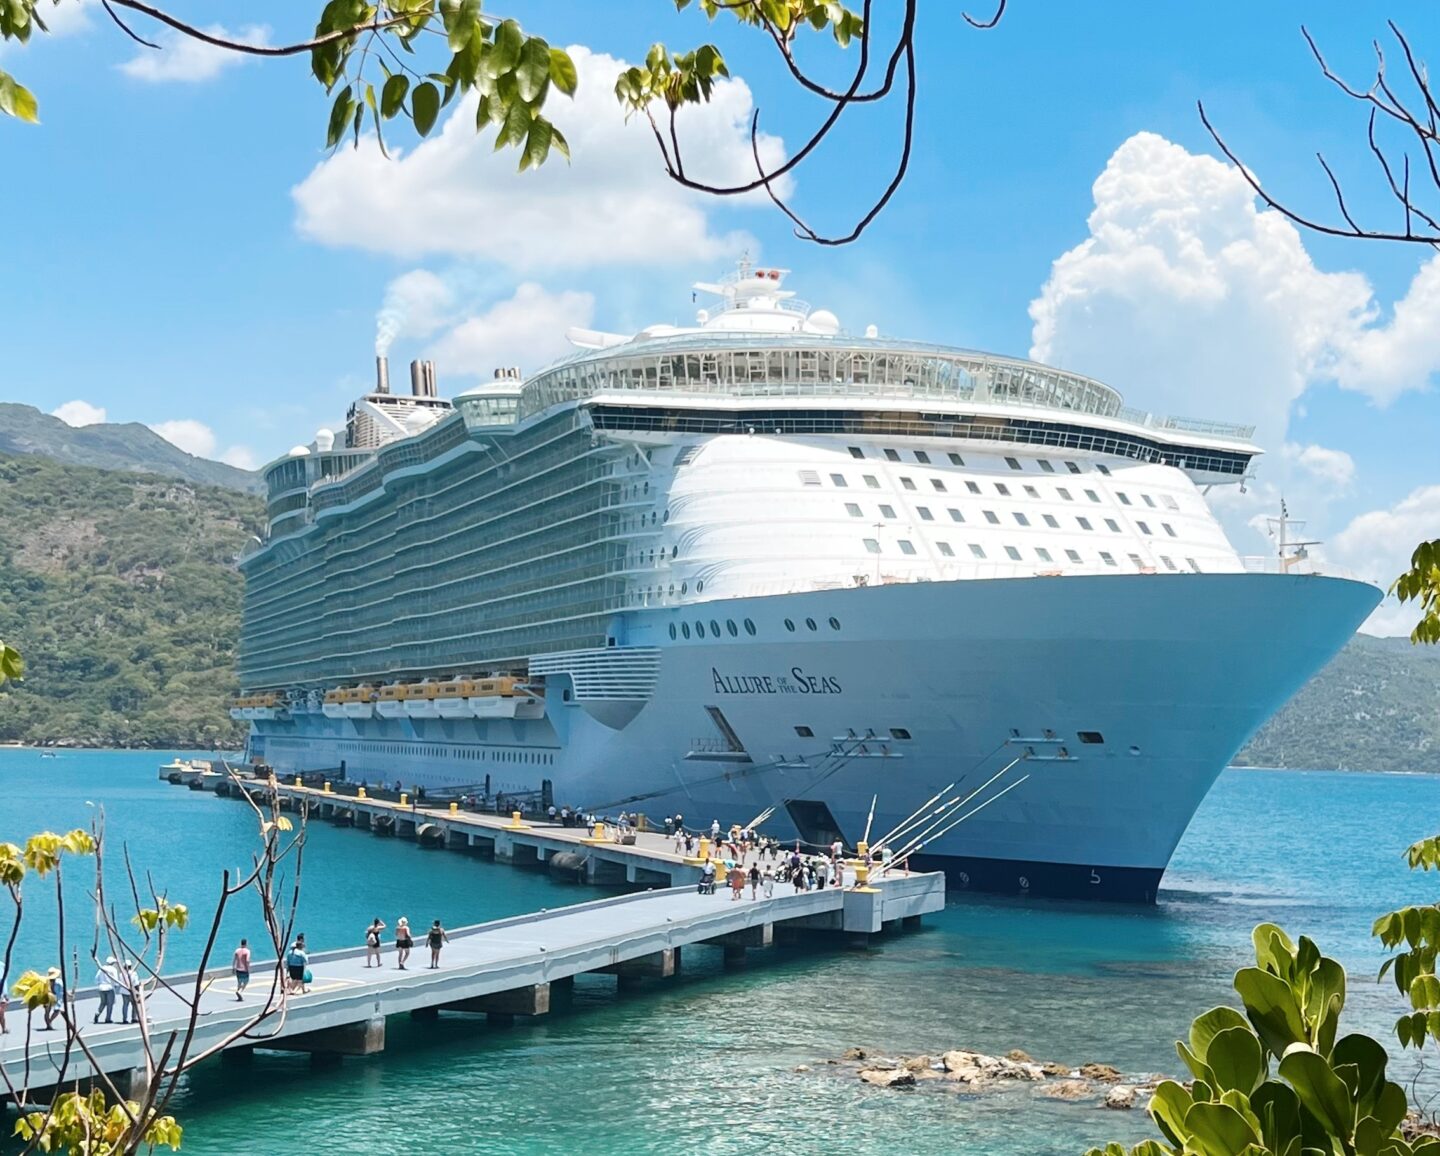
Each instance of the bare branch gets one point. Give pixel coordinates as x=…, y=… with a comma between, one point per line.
x=994, y=20
x=295, y=49
x=125, y=28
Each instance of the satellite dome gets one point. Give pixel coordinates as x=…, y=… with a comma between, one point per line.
x=324, y=440
x=300, y=452
x=824, y=322
x=416, y=420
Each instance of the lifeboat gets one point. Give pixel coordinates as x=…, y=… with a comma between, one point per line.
x=334, y=706
x=452, y=699
x=360, y=703
x=391, y=701
x=421, y=701
x=269, y=705
x=493, y=697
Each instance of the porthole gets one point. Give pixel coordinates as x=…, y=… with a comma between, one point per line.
x=672, y=630
x=1092, y=737
x=699, y=629
x=834, y=624
x=666, y=518
x=805, y=732
x=790, y=626
x=684, y=587
x=672, y=590
x=899, y=733
x=732, y=628
x=810, y=624
x=714, y=628
x=1134, y=750
x=685, y=629
x=700, y=586
x=749, y=627
x=674, y=551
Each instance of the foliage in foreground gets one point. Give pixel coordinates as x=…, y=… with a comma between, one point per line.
x=1275, y=1080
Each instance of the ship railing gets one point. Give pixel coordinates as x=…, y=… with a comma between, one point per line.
x=1271, y=564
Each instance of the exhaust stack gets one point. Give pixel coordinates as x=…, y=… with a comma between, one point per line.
x=382, y=374
x=422, y=379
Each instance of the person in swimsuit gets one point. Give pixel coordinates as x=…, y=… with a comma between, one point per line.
x=372, y=943
x=436, y=937
x=296, y=961
x=403, y=942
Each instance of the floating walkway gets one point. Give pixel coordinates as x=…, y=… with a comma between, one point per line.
x=502, y=969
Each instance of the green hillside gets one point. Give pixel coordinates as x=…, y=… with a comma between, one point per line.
x=1376, y=707
x=120, y=590
x=112, y=446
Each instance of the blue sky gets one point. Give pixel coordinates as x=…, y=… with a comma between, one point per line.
x=185, y=254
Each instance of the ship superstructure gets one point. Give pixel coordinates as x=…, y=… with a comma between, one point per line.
x=761, y=562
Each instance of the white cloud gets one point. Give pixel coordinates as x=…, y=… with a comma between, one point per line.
x=453, y=194
x=194, y=437
x=1195, y=301
x=1377, y=545
x=78, y=413
x=527, y=330
x=186, y=60
x=1327, y=465
x=241, y=457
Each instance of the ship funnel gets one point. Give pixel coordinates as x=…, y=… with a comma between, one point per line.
x=432, y=389
x=382, y=374
x=417, y=379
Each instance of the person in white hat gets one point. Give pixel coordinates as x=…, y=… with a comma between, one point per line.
x=105, y=982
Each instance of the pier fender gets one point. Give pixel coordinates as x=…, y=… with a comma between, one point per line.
x=383, y=824
x=568, y=865
x=430, y=835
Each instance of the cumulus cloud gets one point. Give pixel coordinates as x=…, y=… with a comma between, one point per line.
x=1196, y=301
x=199, y=440
x=78, y=413
x=527, y=330
x=185, y=60
x=453, y=194
x=1333, y=466
x=1377, y=545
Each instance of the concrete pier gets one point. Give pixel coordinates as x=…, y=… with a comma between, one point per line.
x=502, y=969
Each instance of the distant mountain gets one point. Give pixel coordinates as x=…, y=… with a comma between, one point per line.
x=1376, y=707
x=113, y=446
x=120, y=589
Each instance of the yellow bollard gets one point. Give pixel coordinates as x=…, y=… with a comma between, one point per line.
x=599, y=832
x=862, y=876
x=454, y=808
x=404, y=800
x=514, y=818
x=702, y=852
x=360, y=794
x=298, y=781
x=327, y=786
x=862, y=849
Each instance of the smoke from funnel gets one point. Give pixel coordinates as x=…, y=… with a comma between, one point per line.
x=416, y=303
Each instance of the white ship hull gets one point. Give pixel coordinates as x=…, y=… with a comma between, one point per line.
x=1172, y=673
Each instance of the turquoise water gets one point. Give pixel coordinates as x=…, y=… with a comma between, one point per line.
x=706, y=1063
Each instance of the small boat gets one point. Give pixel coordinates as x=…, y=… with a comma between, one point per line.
x=172, y=768
x=207, y=780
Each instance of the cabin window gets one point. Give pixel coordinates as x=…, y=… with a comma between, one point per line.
x=1045, y=467
x=899, y=733
x=1021, y=519
x=922, y=457
x=977, y=550
x=1013, y=553
x=1194, y=565
x=956, y=515
x=1103, y=468
x=1051, y=521
x=1084, y=523
x=1170, y=503
x=944, y=548
x=872, y=481
x=872, y=546
x=1044, y=554
x=1108, y=559
x=1168, y=528
x=1094, y=738
x=839, y=480
x=906, y=547
x=973, y=487
x=672, y=630
x=887, y=511
x=1124, y=498
x=992, y=517
x=1144, y=529
x=1169, y=565
x=1031, y=492
x=810, y=624
x=749, y=627
x=805, y=732
x=925, y=514
x=908, y=483
x=834, y=624
x=1013, y=463
x=1002, y=489
x=699, y=629
x=853, y=509
x=1112, y=525
x=892, y=456
x=714, y=628
x=1072, y=467
x=1148, y=500
x=937, y=485
x=1092, y=495
x=1138, y=561
x=732, y=628
x=857, y=452
x=1064, y=493
x=685, y=629
x=1073, y=555
x=956, y=459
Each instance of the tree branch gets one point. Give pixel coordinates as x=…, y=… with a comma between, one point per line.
x=296, y=49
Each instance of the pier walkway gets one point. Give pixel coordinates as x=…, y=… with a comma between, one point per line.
x=503, y=969
x=651, y=860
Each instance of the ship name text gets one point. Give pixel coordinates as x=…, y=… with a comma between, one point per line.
x=796, y=682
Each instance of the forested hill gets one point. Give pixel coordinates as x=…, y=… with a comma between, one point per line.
x=121, y=592
x=111, y=446
x=1376, y=707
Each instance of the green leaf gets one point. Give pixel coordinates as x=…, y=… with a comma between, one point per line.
x=11, y=664
x=559, y=143
x=1218, y=1130
x=532, y=71
x=1236, y=1060
x=1277, y=1107
x=426, y=104
x=392, y=96
x=504, y=54
x=1322, y=1092
x=1271, y=1006
x=461, y=19
x=562, y=72
x=18, y=101
x=1168, y=1107
x=537, y=144
x=340, y=113
x=516, y=126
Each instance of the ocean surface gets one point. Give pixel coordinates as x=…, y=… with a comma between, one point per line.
x=707, y=1063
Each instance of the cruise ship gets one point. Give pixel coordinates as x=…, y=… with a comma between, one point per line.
x=758, y=563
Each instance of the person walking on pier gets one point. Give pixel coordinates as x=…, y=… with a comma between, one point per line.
x=240, y=964
x=372, y=943
x=403, y=942
x=754, y=881
x=297, y=963
x=737, y=881
x=105, y=981
x=769, y=882
x=56, y=980
x=129, y=984
x=437, y=937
